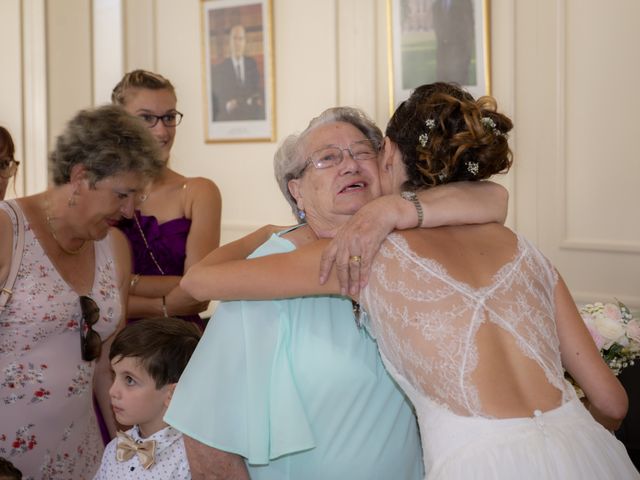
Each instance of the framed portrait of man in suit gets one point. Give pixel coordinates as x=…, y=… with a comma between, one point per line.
x=438, y=40
x=238, y=70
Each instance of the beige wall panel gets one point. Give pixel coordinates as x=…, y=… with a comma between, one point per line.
x=602, y=130
x=108, y=48
x=11, y=83
x=576, y=129
x=502, y=63
x=69, y=61
x=602, y=227
x=34, y=95
x=139, y=34
x=358, y=44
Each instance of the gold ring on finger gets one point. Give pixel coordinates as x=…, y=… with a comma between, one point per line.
x=355, y=259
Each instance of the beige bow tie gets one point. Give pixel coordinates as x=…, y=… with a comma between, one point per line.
x=127, y=448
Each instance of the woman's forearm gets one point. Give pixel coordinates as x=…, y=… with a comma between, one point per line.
x=273, y=276
x=197, y=281
x=153, y=286
x=462, y=203
x=175, y=303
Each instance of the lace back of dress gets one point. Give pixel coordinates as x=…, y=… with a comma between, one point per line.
x=427, y=323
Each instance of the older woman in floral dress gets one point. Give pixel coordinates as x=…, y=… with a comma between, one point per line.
x=69, y=292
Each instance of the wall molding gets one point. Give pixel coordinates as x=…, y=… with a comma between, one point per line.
x=600, y=246
x=107, y=32
x=567, y=240
x=34, y=95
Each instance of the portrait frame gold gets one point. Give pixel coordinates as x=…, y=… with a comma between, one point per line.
x=238, y=70
x=412, y=46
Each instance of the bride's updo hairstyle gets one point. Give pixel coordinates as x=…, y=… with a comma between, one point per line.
x=445, y=135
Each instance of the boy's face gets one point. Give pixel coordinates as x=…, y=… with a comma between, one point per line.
x=134, y=397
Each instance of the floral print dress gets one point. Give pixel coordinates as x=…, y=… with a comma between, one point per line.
x=48, y=427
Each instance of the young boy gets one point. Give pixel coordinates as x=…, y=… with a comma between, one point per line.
x=8, y=471
x=147, y=358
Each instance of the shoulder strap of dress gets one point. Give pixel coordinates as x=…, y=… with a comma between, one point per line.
x=290, y=229
x=16, y=258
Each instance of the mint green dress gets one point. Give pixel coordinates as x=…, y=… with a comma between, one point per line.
x=298, y=390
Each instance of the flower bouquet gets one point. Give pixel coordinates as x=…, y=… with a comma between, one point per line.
x=615, y=332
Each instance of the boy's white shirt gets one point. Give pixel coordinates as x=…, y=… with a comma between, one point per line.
x=170, y=459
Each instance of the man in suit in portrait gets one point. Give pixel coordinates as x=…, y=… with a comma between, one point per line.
x=454, y=27
x=237, y=91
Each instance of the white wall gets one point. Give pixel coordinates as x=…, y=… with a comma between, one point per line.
x=576, y=181
x=11, y=112
x=563, y=69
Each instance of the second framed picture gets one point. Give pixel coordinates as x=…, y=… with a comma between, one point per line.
x=238, y=70
x=438, y=40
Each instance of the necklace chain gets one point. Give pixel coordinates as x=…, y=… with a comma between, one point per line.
x=52, y=230
x=146, y=244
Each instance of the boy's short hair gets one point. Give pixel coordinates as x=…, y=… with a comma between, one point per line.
x=163, y=346
x=8, y=470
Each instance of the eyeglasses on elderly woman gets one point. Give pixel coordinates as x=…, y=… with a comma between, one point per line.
x=332, y=155
x=8, y=167
x=90, y=341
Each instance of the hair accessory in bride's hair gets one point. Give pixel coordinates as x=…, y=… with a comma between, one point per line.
x=424, y=138
x=473, y=167
x=489, y=124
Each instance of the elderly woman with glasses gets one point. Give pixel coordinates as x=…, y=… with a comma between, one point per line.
x=293, y=386
x=66, y=273
x=8, y=164
x=179, y=222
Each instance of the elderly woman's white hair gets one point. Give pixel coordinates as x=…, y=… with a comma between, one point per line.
x=289, y=160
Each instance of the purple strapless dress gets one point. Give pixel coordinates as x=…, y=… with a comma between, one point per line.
x=167, y=241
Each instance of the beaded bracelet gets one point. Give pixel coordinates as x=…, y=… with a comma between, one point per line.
x=413, y=198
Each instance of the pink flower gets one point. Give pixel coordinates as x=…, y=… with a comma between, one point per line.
x=590, y=322
x=612, y=312
x=597, y=338
x=611, y=329
x=633, y=330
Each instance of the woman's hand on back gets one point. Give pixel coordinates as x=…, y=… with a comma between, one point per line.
x=357, y=242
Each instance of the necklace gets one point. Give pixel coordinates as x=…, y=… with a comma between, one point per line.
x=53, y=231
x=146, y=244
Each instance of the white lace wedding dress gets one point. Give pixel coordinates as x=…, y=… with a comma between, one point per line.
x=427, y=323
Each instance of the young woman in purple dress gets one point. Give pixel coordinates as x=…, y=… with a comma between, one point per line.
x=179, y=222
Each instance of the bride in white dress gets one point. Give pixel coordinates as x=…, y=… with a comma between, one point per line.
x=473, y=322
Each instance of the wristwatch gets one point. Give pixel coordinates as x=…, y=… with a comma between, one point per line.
x=413, y=198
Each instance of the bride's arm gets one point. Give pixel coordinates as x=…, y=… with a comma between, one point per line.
x=281, y=275
x=225, y=275
x=458, y=203
x=607, y=399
